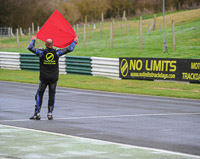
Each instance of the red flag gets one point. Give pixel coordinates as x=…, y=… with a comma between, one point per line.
x=58, y=29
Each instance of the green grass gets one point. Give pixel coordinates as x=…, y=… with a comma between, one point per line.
x=149, y=16
x=161, y=88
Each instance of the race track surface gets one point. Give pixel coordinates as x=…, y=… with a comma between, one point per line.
x=157, y=122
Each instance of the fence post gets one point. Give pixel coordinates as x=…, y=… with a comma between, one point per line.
x=141, y=43
x=195, y=30
x=33, y=28
x=74, y=27
x=149, y=28
x=77, y=29
x=102, y=17
x=126, y=26
x=111, y=35
x=100, y=30
x=85, y=20
x=113, y=28
x=124, y=15
x=173, y=34
x=160, y=32
x=11, y=32
x=17, y=38
x=38, y=29
x=134, y=42
x=29, y=33
x=84, y=35
x=89, y=31
x=154, y=22
x=21, y=33
x=182, y=30
x=121, y=29
x=178, y=42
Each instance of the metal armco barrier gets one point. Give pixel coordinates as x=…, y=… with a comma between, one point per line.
x=62, y=66
x=125, y=68
x=78, y=65
x=29, y=62
x=160, y=68
x=10, y=60
x=95, y=66
x=106, y=67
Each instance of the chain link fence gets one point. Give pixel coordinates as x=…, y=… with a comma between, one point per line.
x=115, y=34
x=5, y=32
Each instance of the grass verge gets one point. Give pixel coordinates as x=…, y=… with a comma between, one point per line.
x=161, y=88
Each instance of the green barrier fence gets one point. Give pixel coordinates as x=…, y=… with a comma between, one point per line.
x=78, y=65
x=29, y=62
x=73, y=64
x=95, y=66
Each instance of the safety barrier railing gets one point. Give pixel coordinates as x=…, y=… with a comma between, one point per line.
x=10, y=60
x=78, y=65
x=62, y=69
x=29, y=62
x=106, y=67
x=95, y=66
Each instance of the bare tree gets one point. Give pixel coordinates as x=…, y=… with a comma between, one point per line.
x=21, y=13
x=70, y=11
x=92, y=8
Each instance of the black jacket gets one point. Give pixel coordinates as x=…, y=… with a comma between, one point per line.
x=49, y=60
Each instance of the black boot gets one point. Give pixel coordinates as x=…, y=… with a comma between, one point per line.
x=36, y=116
x=50, y=116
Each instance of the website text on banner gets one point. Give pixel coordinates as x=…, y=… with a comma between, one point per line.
x=160, y=68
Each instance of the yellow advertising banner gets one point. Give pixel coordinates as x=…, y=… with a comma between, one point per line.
x=160, y=68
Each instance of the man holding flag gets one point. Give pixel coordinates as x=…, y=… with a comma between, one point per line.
x=49, y=71
x=55, y=32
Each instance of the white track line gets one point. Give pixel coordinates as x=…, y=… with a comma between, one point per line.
x=112, y=116
x=108, y=142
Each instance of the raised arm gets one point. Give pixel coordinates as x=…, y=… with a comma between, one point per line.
x=68, y=49
x=31, y=47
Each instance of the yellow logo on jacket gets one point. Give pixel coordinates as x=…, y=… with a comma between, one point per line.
x=49, y=59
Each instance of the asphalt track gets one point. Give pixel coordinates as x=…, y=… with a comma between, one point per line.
x=170, y=124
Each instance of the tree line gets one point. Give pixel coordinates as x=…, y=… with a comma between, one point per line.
x=21, y=13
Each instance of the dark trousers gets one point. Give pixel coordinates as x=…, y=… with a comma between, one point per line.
x=40, y=93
